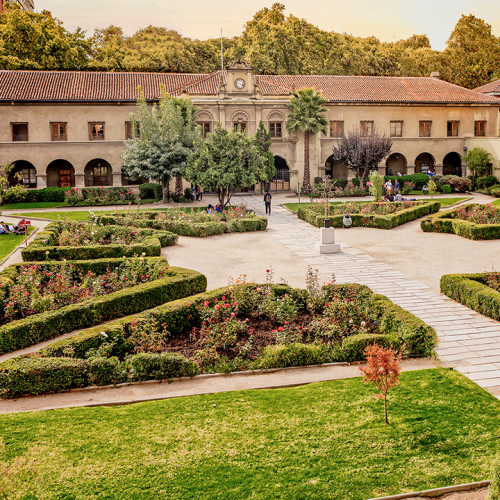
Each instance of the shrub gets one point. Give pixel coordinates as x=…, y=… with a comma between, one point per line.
x=489, y=181
x=446, y=189
x=160, y=366
x=494, y=489
x=151, y=191
x=40, y=195
x=71, y=197
x=494, y=191
x=33, y=375
x=318, y=180
x=105, y=371
x=297, y=354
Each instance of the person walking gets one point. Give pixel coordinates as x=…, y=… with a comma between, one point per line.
x=267, y=201
x=200, y=193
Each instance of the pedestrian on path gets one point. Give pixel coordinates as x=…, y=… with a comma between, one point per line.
x=200, y=193
x=267, y=202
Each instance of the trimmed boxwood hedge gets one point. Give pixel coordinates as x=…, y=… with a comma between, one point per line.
x=31, y=330
x=400, y=327
x=196, y=230
x=445, y=222
x=45, y=241
x=316, y=218
x=470, y=290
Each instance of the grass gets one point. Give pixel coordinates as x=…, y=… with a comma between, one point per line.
x=496, y=202
x=319, y=441
x=56, y=204
x=9, y=242
x=76, y=215
x=444, y=202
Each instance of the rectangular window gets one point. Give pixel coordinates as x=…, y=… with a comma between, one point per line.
x=452, y=129
x=336, y=129
x=424, y=129
x=480, y=128
x=366, y=128
x=96, y=131
x=276, y=129
x=205, y=128
x=100, y=175
x=396, y=129
x=128, y=130
x=29, y=176
x=19, y=131
x=58, y=131
x=241, y=125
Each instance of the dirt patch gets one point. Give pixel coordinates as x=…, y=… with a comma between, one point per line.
x=479, y=494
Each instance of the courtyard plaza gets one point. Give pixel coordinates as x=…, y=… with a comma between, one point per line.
x=404, y=264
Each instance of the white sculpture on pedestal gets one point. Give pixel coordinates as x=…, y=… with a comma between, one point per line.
x=327, y=234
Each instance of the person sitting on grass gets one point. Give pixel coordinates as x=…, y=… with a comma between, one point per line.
x=4, y=228
x=18, y=229
x=398, y=197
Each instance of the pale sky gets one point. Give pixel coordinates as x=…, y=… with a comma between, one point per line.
x=388, y=20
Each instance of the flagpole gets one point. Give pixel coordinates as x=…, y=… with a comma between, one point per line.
x=221, y=52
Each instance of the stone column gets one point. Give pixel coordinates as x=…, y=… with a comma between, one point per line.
x=117, y=179
x=439, y=169
x=79, y=180
x=410, y=169
x=222, y=114
x=41, y=181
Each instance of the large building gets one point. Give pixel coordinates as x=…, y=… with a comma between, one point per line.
x=28, y=5
x=68, y=128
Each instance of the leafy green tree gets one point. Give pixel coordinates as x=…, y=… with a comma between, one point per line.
x=39, y=42
x=163, y=138
x=16, y=190
x=262, y=140
x=226, y=160
x=308, y=115
x=478, y=160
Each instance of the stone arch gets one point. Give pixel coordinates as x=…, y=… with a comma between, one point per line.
x=28, y=171
x=424, y=162
x=452, y=164
x=203, y=116
x=275, y=116
x=240, y=116
x=396, y=162
x=60, y=173
x=335, y=169
x=281, y=181
x=98, y=172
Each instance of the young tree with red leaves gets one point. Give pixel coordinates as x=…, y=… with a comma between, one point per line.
x=382, y=369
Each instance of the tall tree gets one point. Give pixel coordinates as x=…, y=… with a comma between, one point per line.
x=361, y=153
x=308, y=115
x=39, y=42
x=262, y=140
x=226, y=160
x=163, y=138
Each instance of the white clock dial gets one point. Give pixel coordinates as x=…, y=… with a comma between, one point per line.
x=239, y=83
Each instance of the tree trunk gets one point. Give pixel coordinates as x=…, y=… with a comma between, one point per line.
x=166, y=191
x=221, y=193
x=178, y=186
x=385, y=408
x=306, y=184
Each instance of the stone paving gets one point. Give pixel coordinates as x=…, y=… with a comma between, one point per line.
x=467, y=340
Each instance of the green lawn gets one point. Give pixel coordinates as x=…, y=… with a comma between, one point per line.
x=9, y=242
x=55, y=204
x=76, y=215
x=496, y=202
x=444, y=202
x=319, y=441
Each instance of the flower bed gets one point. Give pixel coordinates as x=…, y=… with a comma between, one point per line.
x=75, y=240
x=245, y=326
x=196, y=224
x=382, y=215
x=52, y=308
x=480, y=292
x=476, y=222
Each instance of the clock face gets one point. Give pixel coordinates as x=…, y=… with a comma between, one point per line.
x=239, y=83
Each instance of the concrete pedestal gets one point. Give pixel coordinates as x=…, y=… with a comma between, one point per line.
x=327, y=241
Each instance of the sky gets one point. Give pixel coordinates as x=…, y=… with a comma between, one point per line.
x=388, y=20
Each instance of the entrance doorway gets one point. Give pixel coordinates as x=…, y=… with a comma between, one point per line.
x=281, y=181
x=452, y=164
x=98, y=173
x=27, y=171
x=60, y=173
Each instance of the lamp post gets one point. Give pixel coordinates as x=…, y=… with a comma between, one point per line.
x=465, y=161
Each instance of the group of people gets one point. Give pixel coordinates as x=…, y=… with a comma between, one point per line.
x=212, y=210
x=12, y=229
x=392, y=191
x=197, y=193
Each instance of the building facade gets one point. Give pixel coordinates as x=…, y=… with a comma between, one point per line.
x=28, y=5
x=68, y=128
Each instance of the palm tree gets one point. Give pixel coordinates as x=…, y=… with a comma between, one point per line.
x=308, y=115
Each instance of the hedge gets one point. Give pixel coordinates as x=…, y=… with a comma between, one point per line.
x=32, y=375
x=192, y=229
x=311, y=215
x=45, y=241
x=469, y=290
x=401, y=329
x=31, y=330
x=150, y=191
x=445, y=222
x=38, y=195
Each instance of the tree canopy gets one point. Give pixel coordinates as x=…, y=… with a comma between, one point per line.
x=163, y=138
x=271, y=42
x=478, y=160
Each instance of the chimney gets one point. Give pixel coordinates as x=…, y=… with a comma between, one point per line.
x=435, y=74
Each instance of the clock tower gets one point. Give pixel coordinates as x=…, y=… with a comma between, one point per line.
x=240, y=79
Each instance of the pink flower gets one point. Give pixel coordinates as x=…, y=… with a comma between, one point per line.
x=233, y=314
x=280, y=328
x=217, y=306
x=126, y=279
x=205, y=304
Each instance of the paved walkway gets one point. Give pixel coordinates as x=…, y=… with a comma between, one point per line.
x=467, y=340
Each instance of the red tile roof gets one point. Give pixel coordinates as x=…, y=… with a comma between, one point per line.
x=74, y=86
x=492, y=87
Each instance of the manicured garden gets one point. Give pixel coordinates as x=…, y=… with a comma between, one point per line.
x=240, y=327
x=9, y=242
x=382, y=215
x=324, y=440
x=476, y=222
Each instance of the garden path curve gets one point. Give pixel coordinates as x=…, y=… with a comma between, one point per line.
x=467, y=340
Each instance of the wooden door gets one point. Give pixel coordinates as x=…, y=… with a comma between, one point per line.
x=65, y=178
